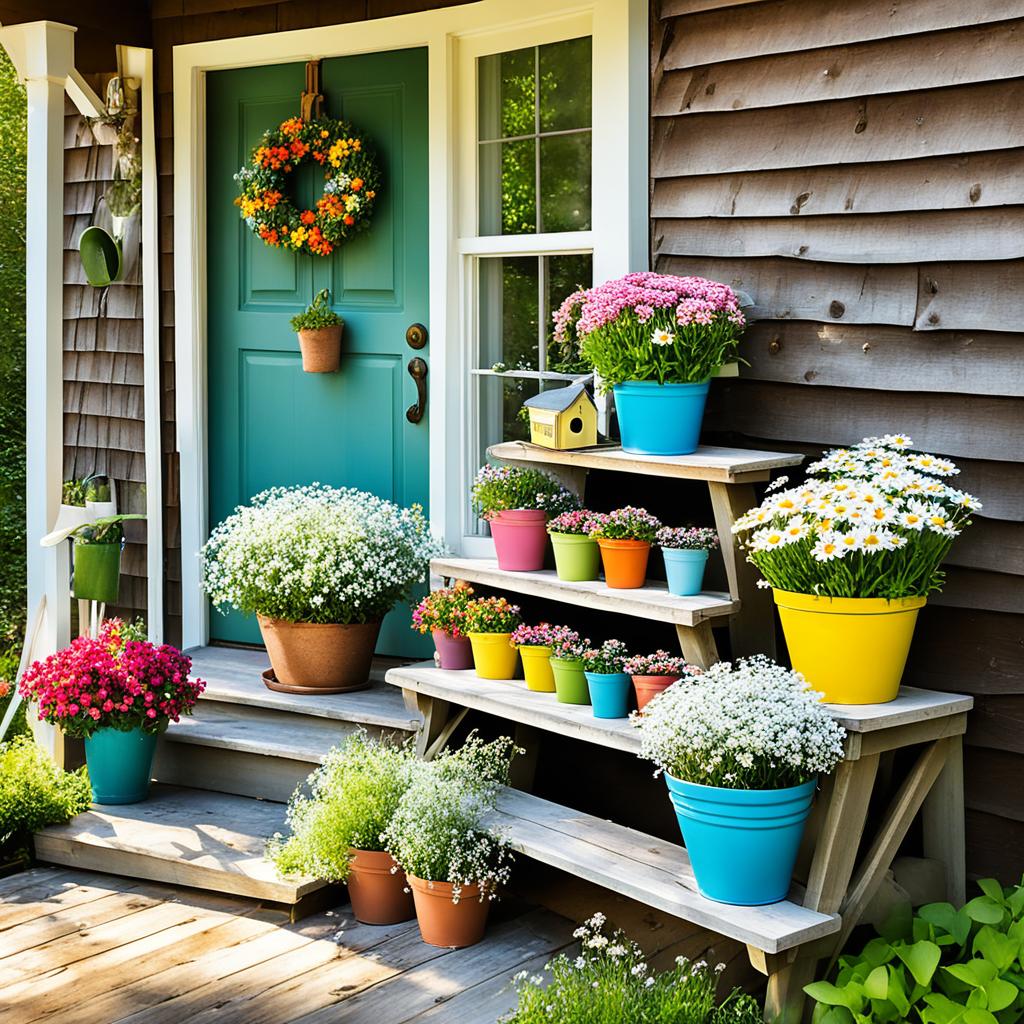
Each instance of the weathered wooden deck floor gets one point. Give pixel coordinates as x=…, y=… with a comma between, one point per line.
x=84, y=948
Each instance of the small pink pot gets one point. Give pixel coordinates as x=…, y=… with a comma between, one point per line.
x=520, y=539
x=453, y=652
x=648, y=687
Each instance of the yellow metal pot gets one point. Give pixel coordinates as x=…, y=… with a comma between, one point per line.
x=853, y=649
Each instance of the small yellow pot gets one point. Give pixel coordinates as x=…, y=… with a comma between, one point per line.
x=852, y=649
x=537, y=668
x=494, y=656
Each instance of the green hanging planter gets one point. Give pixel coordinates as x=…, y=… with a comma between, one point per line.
x=97, y=572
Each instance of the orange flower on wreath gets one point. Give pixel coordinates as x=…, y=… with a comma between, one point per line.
x=292, y=126
x=330, y=206
x=307, y=217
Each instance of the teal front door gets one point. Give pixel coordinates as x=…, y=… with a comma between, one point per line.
x=270, y=424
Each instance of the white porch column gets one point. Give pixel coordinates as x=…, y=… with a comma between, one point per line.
x=43, y=54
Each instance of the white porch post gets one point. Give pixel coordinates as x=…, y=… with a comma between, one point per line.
x=43, y=54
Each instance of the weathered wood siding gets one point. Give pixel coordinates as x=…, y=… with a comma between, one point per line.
x=103, y=406
x=859, y=170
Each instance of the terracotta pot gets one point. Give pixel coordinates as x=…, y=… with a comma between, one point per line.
x=448, y=924
x=625, y=563
x=311, y=658
x=453, y=652
x=648, y=687
x=378, y=894
x=321, y=349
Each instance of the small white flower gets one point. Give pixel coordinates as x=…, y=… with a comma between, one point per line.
x=660, y=337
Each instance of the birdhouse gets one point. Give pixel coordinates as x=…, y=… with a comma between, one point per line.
x=563, y=418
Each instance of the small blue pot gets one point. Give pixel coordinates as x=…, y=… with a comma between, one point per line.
x=660, y=419
x=685, y=570
x=120, y=765
x=609, y=693
x=742, y=842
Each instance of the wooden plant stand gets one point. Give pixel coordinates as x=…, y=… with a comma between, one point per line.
x=842, y=866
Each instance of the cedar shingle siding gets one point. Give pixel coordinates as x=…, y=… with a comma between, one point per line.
x=854, y=167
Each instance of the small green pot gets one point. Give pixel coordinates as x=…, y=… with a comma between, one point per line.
x=97, y=572
x=577, y=558
x=570, y=682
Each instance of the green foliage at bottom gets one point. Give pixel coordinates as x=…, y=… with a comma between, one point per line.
x=610, y=982
x=942, y=966
x=35, y=793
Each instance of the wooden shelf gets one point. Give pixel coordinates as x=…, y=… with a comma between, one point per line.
x=651, y=870
x=940, y=713
x=721, y=465
x=652, y=602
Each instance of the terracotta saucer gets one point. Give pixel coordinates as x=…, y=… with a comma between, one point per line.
x=272, y=684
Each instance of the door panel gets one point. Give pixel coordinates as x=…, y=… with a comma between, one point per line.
x=270, y=424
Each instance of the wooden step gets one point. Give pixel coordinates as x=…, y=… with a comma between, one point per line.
x=651, y=870
x=934, y=712
x=722, y=465
x=183, y=836
x=652, y=601
x=234, y=676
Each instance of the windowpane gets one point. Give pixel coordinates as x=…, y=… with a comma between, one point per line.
x=565, y=85
x=563, y=275
x=509, y=297
x=564, y=191
x=529, y=121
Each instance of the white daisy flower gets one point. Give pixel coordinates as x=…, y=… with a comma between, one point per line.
x=660, y=337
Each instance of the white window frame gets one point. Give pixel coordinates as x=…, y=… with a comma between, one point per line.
x=617, y=238
x=619, y=29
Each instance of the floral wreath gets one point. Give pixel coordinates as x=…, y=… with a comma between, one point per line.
x=351, y=182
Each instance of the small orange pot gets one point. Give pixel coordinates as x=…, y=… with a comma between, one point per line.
x=321, y=349
x=308, y=657
x=625, y=563
x=448, y=924
x=378, y=893
x=648, y=687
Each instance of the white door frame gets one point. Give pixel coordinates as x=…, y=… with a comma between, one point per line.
x=620, y=90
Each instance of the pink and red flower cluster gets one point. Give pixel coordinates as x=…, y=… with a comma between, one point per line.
x=112, y=681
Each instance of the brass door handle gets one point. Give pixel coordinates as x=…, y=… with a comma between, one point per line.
x=418, y=371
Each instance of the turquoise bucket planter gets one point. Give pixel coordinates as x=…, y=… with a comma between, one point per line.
x=120, y=765
x=742, y=842
x=660, y=419
x=609, y=693
x=685, y=570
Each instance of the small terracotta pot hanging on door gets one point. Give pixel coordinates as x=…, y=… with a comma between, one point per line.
x=321, y=349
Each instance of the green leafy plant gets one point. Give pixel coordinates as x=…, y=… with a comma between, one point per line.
x=73, y=492
x=944, y=966
x=501, y=488
x=108, y=530
x=317, y=315
x=353, y=796
x=97, y=491
x=611, y=982
x=35, y=793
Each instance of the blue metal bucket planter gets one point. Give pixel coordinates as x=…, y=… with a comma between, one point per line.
x=742, y=842
x=685, y=570
x=660, y=419
x=120, y=764
x=609, y=693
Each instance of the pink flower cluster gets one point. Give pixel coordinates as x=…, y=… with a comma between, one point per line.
x=570, y=646
x=443, y=610
x=660, y=663
x=578, y=522
x=544, y=635
x=688, y=538
x=112, y=681
x=694, y=300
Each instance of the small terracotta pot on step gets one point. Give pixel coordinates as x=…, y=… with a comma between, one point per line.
x=648, y=687
x=308, y=657
x=378, y=893
x=444, y=923
x=321, y=349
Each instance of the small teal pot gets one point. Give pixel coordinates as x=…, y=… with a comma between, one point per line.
x=742, y=842
x=685, y=570
x=120, y=765
x=660, y=419
x=609, y=693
